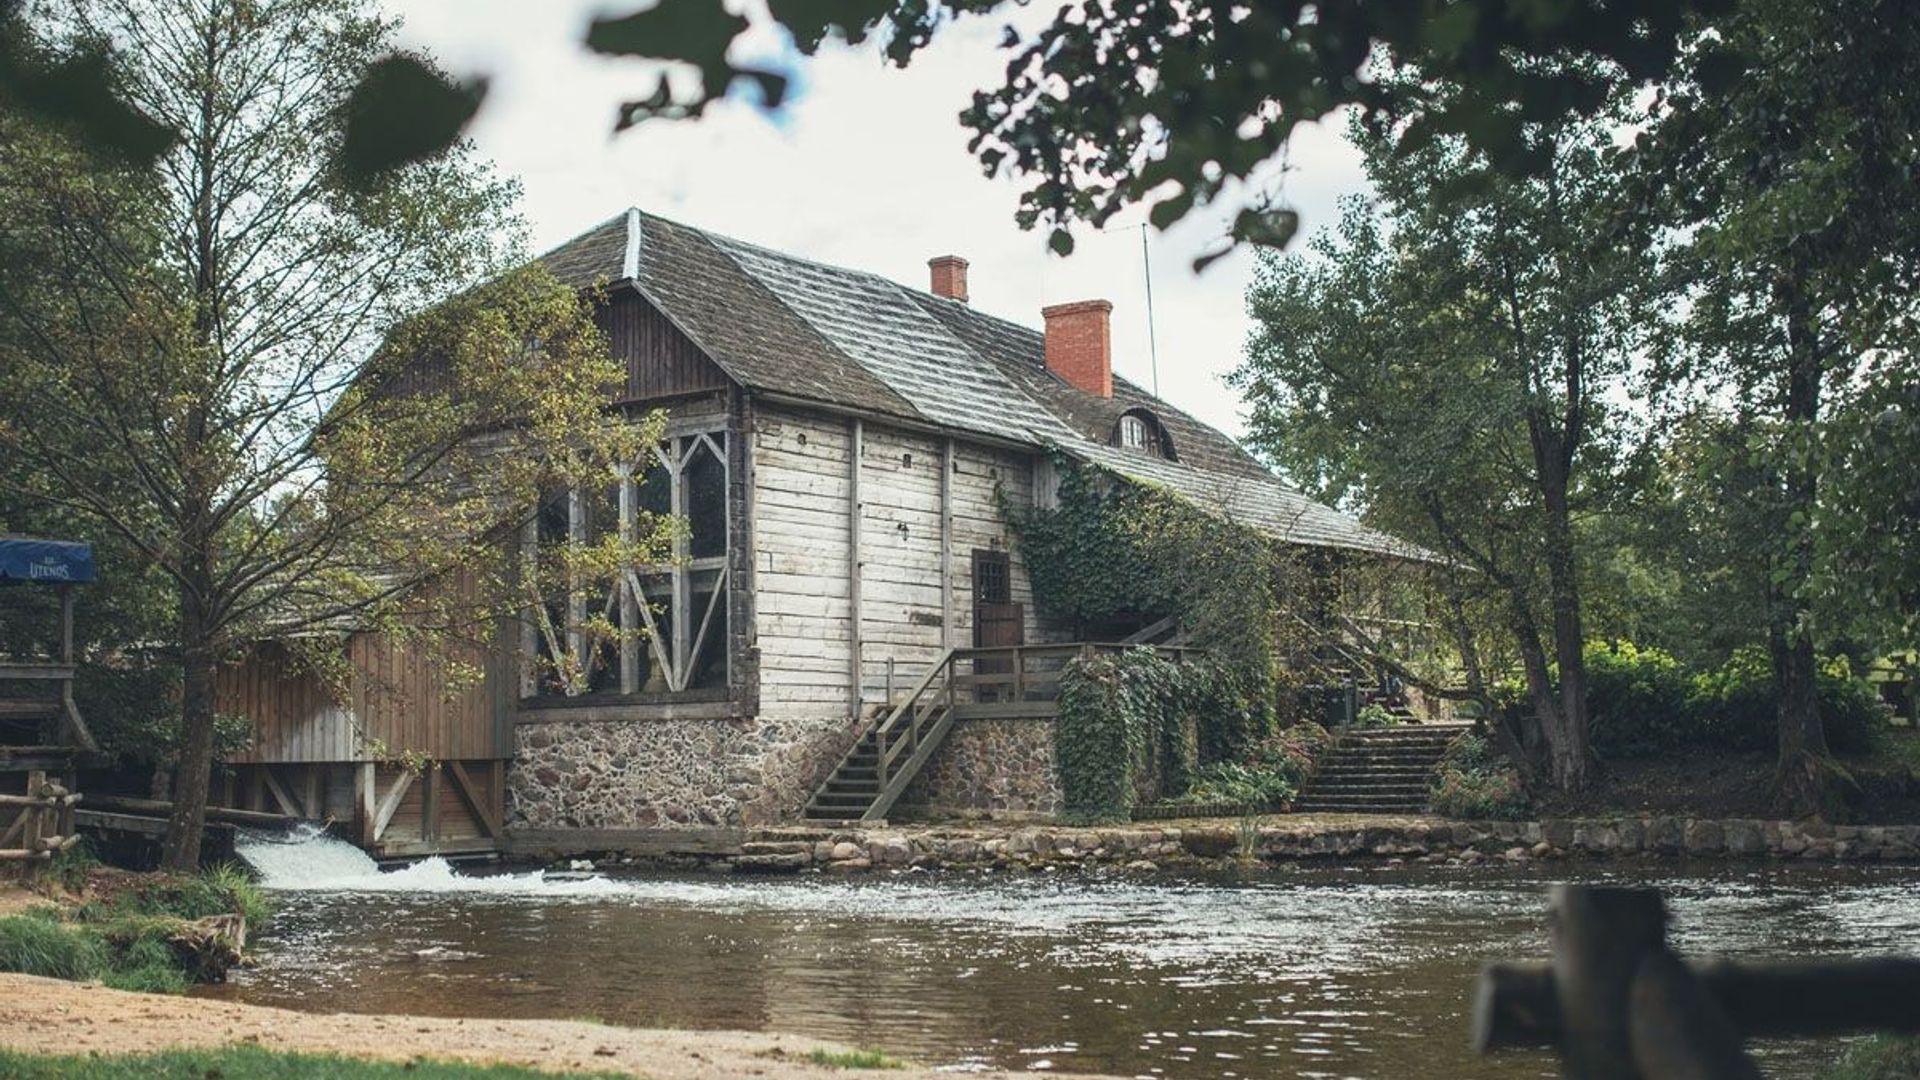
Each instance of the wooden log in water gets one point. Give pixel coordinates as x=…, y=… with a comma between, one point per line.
x=1517, y=1005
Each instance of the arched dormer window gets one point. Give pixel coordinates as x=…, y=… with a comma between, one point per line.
x=1141, y=431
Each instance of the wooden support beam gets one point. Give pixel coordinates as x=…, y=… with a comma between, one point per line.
x=279, y=793
x=391, y=804
x=855, y=440
x=430, y=803
x=310, y=796
x=464, y=786
x=364, y=810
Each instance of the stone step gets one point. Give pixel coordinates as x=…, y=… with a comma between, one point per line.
x=1333, y=799
x=1362, y=787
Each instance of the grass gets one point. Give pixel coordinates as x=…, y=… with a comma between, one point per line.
x=1883, y=1057
x=853, y=1059
x=253, y=1063
x=122, y=940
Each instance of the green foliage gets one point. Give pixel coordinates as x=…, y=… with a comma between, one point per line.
x=1374, y=715
x=1270, y=776
x=222, y=890
x=1883, y=1057
x=1645, y=702
x=124, y=941
x=1120, y=723
x=255, y=1063
x=1115, y=550
x=1474, y=782
x=32, y=945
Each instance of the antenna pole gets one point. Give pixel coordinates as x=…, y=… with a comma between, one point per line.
x=1153, y=346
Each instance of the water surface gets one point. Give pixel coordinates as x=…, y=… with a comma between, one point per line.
x=1303, y=972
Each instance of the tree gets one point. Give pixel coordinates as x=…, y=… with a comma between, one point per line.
x=1444, y=364
x=1110, y=104
x=304, y=398
x=1784, y=161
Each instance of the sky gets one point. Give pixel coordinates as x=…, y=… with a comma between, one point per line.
x=866, y=166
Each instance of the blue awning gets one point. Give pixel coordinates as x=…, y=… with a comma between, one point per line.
x=46, y=562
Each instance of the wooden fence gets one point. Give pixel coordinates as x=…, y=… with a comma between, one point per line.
x=42, y=820
x=1618, y=1004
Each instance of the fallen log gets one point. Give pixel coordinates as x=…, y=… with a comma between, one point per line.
x=208, y=948
x=161, y=808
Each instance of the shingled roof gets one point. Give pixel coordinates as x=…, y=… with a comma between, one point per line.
x=853, y=340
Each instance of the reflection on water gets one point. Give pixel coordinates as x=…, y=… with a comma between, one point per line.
x=1324, y=972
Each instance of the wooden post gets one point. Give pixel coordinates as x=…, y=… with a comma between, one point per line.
x=946, y=544
x=34, y=826
x=1600, y=937
x=364, y=811
x=310, y=800
x=430, y=803
x=66, y=624
x=1019, y=674
x=529, y=622
x=855, y=438
x=629, y=604
x=576, y=635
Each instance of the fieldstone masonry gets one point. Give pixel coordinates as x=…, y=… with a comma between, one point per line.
x=1001, y=766
x=663, y=774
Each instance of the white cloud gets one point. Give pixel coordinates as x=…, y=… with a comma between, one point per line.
x=867, y=168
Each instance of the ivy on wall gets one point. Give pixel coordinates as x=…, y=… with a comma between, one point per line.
x=1122, y=728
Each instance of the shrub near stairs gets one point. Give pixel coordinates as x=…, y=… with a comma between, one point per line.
x=1473, y=782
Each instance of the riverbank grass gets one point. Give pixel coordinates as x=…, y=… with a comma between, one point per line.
x=126, y=933
x=253, y=1063
x=853, y=1059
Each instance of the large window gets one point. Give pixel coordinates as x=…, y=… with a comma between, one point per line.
x=653, y=626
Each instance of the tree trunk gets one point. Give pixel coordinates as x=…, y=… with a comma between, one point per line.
x=1540, y=745
x=1803, y=780
x=192, y=772
x=1572, y=748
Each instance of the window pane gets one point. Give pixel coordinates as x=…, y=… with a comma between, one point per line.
x=706, y=480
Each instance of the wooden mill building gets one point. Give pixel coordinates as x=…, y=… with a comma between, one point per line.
x=841, y=447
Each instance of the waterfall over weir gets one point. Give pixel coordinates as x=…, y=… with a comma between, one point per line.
x=307, y=858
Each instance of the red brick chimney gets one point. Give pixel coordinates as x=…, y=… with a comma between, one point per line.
x=1080, y=344
x=949, y=277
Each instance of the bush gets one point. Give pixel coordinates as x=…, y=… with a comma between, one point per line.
x=1474, y=782
x=1636, y=700
x=1374, y=715
x=1272, y=774
x=1642, y=702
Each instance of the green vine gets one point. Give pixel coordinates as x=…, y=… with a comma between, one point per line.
x=1115, y=554
x=1122, y=728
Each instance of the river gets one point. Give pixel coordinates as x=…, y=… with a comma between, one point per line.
x=1321, y=971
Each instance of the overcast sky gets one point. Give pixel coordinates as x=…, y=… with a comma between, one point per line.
x=865, y=167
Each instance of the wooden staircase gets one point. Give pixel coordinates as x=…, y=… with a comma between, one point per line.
x=871, y=778
x=1379, y=770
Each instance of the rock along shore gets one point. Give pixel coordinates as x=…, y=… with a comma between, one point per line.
x=1296, y=837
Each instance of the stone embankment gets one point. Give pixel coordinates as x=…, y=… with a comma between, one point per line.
x=1291, y=838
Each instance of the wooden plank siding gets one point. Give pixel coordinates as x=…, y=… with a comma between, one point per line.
x=801, y=559
x=661, y=361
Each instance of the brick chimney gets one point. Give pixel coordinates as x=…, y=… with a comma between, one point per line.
x=1080, y=344
x=949, y=277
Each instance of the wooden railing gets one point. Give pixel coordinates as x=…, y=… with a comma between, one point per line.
x=44, y=823
x=1618, y=1004
x=1017, y=681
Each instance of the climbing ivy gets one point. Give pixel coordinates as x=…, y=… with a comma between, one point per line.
x=1123, y=728
x=1115, y=551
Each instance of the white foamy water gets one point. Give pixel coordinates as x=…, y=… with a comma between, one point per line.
x=307, y=859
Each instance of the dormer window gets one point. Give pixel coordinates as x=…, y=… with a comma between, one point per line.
x=1140, y=431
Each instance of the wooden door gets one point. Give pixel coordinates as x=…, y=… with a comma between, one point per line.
x=997, y=620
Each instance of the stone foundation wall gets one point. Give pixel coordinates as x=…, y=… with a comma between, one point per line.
x=663, y=774
x=1000, y=766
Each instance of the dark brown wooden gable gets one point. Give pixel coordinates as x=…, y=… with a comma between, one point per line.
x=661, y=361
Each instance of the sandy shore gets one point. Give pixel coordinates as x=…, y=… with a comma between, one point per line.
x=48, y=1016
